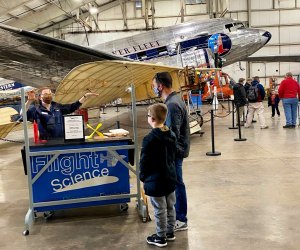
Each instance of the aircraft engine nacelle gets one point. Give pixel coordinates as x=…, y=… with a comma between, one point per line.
x=199, y=58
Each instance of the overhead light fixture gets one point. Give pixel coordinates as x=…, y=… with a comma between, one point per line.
x=93, y=10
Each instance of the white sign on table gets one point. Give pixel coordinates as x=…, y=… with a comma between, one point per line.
x=73, y=127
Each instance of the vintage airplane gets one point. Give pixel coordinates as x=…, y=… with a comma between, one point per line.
x=37, y=60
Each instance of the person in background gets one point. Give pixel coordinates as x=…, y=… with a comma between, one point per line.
x=157, y=171
x=240, y=99
x=247, y=86
x=273, y=101
x=255, y=96
x=289, y=92
x=177, y=120
x=49, y=114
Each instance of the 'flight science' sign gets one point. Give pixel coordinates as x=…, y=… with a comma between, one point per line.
x=79, y=175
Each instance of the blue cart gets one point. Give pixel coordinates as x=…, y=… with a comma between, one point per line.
x=81, y=174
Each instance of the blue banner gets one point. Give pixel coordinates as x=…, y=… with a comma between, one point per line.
x=10, y=86
x=80, y=175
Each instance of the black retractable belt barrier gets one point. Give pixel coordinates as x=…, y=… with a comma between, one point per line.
x=239, y=125
x=213, y=152
x=233, y=125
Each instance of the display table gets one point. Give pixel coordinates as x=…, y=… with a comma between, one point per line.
x=65, y=175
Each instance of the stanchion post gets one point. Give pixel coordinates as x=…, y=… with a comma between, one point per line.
x=103, y=110
x=228, y=104
x=233, y=125
x=213, y=152
x=239, y=125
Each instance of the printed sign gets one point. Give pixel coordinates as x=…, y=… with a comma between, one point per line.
x=73, y=127
x=12, y=85
x=80, y=175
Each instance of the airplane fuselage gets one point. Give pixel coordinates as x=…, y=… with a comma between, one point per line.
x=187, y=43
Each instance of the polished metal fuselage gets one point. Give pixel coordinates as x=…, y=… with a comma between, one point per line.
x=37, y=60
x=244, y=42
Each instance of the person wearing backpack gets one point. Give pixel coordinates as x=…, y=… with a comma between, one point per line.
x=288, y=90
x=255, y=96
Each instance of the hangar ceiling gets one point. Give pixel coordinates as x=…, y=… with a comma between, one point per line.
x=46, y=15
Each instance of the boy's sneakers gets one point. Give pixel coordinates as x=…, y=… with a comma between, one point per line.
x=180, y=226
x=154, y=239
x=265, y=127
x=170, y=236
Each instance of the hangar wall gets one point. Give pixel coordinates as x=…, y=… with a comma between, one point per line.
x=280, y=17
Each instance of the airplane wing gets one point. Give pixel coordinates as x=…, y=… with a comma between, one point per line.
x=5, y=94
x=6, y=128
x=279, y=58
x=37, y=60
x=5, y=115
x=5, y=121
x=111, y=80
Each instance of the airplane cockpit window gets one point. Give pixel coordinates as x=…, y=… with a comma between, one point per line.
x=228, y=26
x=239, y=25
x=234, y=26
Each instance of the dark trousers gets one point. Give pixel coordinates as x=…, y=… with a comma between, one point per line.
x=181, y=199
x=273, y=110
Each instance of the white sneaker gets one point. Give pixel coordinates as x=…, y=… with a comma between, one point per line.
x=180, y=226
x=264, y=127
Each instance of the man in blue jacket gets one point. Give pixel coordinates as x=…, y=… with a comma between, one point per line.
x=178, y=122
x=255, y=96
x=49, y=114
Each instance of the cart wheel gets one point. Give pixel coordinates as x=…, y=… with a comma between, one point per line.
x=123, y=207
x=48, y=215
x=26, y=232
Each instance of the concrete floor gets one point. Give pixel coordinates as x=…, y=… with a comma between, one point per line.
x=247, y=198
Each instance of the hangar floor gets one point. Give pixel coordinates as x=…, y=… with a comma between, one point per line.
x=247, y=198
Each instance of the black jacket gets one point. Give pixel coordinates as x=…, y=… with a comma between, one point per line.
x=239, y=93
x=277, y=100
x=157, y=163
x=178, y=122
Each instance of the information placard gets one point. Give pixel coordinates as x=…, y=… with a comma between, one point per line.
x=73, y=128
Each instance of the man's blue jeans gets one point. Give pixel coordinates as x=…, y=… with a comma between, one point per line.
x=290, y=110
x=181, y=200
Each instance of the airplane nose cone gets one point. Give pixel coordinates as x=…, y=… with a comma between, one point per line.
x=267, y=35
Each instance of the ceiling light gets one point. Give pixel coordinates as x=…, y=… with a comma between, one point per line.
x=93, y=10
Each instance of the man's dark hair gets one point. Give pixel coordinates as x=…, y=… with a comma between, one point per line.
x=164, y=78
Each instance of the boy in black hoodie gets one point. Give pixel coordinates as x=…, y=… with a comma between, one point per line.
x=157, y=171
